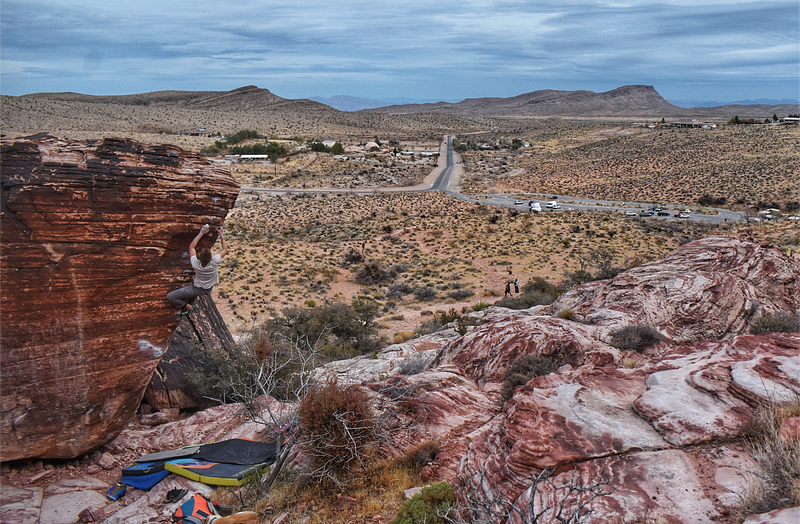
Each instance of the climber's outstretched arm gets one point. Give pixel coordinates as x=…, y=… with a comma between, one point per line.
x=193, y=245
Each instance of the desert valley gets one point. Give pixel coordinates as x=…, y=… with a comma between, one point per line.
x=594, y=361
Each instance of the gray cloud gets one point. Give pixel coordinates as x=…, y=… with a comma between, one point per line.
x=687, y=49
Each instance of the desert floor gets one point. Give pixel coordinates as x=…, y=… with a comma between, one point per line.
x=291, y=251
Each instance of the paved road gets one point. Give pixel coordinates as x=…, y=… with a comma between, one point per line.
x=446, y=178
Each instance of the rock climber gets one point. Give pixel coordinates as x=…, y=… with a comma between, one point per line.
x=206, y=275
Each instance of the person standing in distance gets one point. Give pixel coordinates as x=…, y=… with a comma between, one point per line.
x=206, y=273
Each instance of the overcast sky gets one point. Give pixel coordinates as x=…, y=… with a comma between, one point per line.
x=699, y=50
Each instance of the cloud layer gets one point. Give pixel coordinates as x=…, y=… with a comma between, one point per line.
x=702, y=50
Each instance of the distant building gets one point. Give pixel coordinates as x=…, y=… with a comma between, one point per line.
x=693, y=123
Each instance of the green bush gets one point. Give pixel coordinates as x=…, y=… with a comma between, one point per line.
x=341, y=330
x=479, y=306
x=780, y=322
x=636, y=337
x=429, y=506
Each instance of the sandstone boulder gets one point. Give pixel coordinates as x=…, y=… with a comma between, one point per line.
x=94, y=236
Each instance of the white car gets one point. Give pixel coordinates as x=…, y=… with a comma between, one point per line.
x=518, y=202
x=794, y=217
x=630, y=214
x=552, y=205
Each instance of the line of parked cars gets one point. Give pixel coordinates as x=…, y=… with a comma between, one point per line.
x=659, y=211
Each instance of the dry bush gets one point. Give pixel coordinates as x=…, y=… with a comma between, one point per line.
x=527, y=367
x=419, y=456
x=402, y=336
x=636, y=337
x=339, y=430
x=777, y=484
x=780, y=322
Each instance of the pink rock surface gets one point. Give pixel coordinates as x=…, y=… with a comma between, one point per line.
x=709, y=289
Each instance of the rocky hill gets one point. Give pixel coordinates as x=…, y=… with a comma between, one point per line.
x=94, y=236
x=621, y=101
x=624, y=101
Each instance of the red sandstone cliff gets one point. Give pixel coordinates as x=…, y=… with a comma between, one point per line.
x=93, y=237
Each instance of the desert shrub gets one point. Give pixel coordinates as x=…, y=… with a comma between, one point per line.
x=636, y=337
x=460, y=294
x=780, y=322
x=439, y=319
x=776, y=485
x=341, y=330
x=430, y=506
x=710, y=200
x=566, y=314
x=479, y=306
x=402, y=336
x=338, y=428
x=425, y=293
x=352, y=257
x=399, y=289
x=526, y=300
x=420, y=455
x=525, y=368
x=414, y=365
x=373, y=273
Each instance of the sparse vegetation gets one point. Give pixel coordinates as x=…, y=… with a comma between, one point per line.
x=636, y=337
x=780, y=322
x=434, y=504
x=776, y=484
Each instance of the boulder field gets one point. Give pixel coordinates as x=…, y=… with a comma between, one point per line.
x=94, y=235
x=627, y=436
x=622, y=434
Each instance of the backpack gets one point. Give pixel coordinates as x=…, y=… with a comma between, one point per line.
x=196, y=510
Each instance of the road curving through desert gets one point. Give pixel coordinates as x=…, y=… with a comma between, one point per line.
x=447, y=176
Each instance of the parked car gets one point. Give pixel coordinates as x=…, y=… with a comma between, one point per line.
x=645, y=213
x=683, y=215
x=794, y=217
x=553, y=205
x=663, y=213
x=630, y=214
x=678, y=214
x=518, y=202
x=535, y=207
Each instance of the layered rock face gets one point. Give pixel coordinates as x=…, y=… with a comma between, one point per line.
x=197, y=334
x=94, y=235
x=654, y=434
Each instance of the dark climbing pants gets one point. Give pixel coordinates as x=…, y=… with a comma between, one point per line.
x=186, y=295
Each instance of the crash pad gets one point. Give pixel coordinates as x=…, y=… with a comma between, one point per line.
x=215, y=473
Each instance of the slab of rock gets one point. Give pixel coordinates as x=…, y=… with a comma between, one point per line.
x=76, y=484
x=779, y=516
x=66, y=507
x=20, y=505
x=94, y=236
x=709, y=289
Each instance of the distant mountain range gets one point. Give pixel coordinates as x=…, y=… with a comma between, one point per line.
x=748, y=102
x=352, y=103
x=627, y=101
